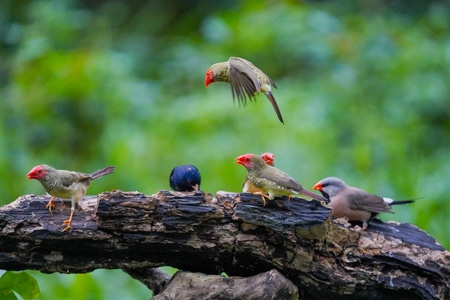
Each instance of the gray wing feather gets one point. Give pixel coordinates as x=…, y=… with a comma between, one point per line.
x=284, y=180
x=368, y=202
x=70, y=177
x=243, y=80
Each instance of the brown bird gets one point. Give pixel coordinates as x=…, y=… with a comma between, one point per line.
x=65, y=184
x=353, y=203
x=246, y=80
x=249, y=187
x=272, y=180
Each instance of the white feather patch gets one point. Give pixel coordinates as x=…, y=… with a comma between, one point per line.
x=388, y=200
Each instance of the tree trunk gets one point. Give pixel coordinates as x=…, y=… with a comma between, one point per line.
x=286, y=250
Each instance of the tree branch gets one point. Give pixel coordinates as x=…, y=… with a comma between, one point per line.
x=230, y=233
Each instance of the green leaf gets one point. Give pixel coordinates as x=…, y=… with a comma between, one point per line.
x=21, y=283
x=7, y=295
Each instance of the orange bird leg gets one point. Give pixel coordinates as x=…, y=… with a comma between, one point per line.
x=50, y=205
x=68, y=222
x=263, y=197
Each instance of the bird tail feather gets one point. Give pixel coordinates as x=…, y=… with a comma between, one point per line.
x=399, y=202
x=275, y=105
x=313, y=195
x=102, y=172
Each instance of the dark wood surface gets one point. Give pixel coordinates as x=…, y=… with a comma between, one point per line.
x=227, y=232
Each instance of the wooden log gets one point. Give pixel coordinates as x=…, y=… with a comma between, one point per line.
x=230, y=233
x=268, y=285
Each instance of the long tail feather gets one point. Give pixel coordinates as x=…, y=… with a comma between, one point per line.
x=313, y=195
x=102, y=172
x=399, y=202
x=275, y=105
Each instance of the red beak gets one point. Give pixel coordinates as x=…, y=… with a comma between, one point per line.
x=209, y=77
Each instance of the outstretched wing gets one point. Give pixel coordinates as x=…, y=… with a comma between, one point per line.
x=243, y=79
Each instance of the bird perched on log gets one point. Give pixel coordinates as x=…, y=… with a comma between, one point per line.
x=249, y=187
x=353, y=203
x=272, y=180
x=185, y=178
x=246, y=80
x=65, y=184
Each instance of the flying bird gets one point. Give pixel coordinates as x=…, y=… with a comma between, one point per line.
x=185, y=178
x=65, y=184
x=272, y=180
x=249, y=187
x=354, y=203
x=246, y=80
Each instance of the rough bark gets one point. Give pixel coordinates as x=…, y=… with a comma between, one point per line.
x=230, y=233
x=268, y=285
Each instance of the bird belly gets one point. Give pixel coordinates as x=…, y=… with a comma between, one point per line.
x=351, y=214
x=249, y=187
x=78, y=191
x=270, y=187
x=60, y=192
x=265, y=88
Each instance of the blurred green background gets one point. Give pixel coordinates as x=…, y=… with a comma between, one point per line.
x=363, y=88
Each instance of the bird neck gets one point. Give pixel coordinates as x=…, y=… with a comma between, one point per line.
x=222, y=72
x=257, y=169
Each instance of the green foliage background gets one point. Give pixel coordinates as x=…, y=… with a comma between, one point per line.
x=363, y=88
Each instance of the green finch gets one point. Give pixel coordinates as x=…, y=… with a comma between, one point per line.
x=272, y=180
x=246, y=80
x=248, y=186
x=353, y=203
x=65, y=184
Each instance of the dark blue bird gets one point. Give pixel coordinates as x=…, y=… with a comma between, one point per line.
x=185, y=178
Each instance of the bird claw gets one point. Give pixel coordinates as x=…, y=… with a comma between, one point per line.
x=50, y=205
x=263, y=197
x=68, y=225
x=68, y=222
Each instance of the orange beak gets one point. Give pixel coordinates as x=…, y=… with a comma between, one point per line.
x=318, y=186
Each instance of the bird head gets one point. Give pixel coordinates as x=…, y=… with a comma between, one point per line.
x=268, y=158
x=251, y=162
x=330, y=186
x=245, y=160
x=38, y=172
x=209, y=77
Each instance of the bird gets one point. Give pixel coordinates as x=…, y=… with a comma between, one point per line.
x=246, y=81
x=272, y=180
x=269, y=158
x=185, y=178
x=65, y=184
x=247, y=186
x=353, y=203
